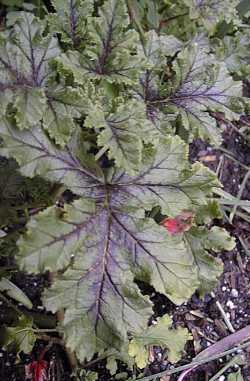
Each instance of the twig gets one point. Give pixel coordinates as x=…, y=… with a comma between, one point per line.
x=232, y=157
x=223, y=313
x=232, y=362
x=242, y=187
x=195, y=363
x=166, y=21
x=215, y=351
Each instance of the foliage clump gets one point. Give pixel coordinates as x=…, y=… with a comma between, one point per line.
x=103, y=99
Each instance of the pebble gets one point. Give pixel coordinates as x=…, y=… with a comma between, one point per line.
x=224, y=288
x=230, y=304
x=234, y=293
x=1, y=354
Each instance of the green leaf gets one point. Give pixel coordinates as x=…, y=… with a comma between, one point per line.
x=97, y=291
x=202, y=241
x=210, y=12
x=234, y=51
x=28, y=80
x=158, y=47
x=162, y=335
x=24, y=68
x=202, y=86
x=112, y=365
x=63, y=105
x=70, y=20
x=21, y=335
x=208, y=212
x=37, y=156
x=121, y=133
x=235, y=376
x=29, y=107
x=111, y=50
x=15, y=292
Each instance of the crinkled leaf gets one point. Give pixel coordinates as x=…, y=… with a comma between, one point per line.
x=37, y=156
x=63, y=105
x=26, y=79
x=201, y=86
x=111, y=50
x=97, y=291
x=70, y=20
x=24, y=68
x=164, y=177
x=210, y=12
x=234, y=51
x=159, y=47
x=22, y=335
x=121, y=133
x=208, y=212
x=162, y=335
x=15, y=292
x=202, y=241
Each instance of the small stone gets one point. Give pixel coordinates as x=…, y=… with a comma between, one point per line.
x=1, y=354
x=224, y=288
x=230, y=304
x=234, y=293
x=159, y=356
x=222, y=378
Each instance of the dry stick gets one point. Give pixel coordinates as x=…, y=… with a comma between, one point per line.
x=242, y=187
x=223, y=313
x=215, y=351
x=227, y=342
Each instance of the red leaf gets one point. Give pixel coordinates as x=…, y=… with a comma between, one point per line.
x=36, y=371
x=179, y=224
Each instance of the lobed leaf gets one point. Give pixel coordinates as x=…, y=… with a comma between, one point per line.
x=70, y=20
x=26, y=79
x=210, y=12
x=22, y=335
x=202, y=86
x=113, y=228
x=201, y=241
x=162, y=335
x=111, y=50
